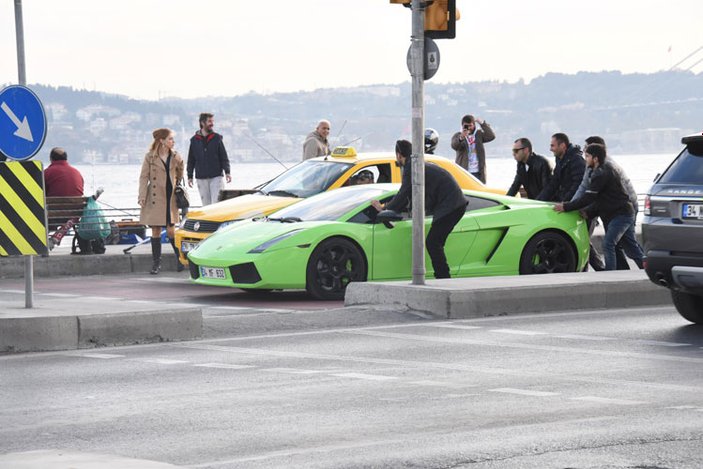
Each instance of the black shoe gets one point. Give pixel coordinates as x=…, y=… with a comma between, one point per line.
x=179, y=267
x=155, y=268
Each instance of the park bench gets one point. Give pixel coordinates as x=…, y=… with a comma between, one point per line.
x=61, y=209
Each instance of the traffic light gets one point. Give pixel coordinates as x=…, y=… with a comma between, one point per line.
x=440, y=17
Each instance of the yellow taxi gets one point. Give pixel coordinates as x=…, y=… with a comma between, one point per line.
x=342, y=168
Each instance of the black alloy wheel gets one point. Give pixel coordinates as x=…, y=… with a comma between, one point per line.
x=333, y=264
x=547, y=252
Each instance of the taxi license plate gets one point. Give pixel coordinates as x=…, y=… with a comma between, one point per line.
x=692, y=211
x=186, y=247
x=212, y=272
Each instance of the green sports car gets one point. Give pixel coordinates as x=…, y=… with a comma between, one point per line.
x=324, y=242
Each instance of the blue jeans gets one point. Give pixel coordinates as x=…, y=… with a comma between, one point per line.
x=621, y=229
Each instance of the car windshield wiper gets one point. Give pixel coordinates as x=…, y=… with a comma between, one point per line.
x=284, y=193
x=286, y=219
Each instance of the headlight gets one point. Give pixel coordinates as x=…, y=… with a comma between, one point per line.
x=264, y=246
x=225, y=224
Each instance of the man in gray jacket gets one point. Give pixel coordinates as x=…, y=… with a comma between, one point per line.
x=468, y=144
x=316, y=143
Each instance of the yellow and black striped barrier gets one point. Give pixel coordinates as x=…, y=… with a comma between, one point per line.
x=22, y=216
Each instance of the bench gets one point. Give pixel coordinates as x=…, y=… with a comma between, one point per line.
x=61, y=209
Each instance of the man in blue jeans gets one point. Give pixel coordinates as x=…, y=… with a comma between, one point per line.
x=611, y=201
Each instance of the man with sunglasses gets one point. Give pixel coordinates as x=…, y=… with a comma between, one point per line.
x=533, y=170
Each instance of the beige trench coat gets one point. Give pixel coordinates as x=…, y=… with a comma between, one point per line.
x=152, y=189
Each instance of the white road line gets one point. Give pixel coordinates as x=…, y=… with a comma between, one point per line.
x=224, y=366
x=583, y=337
x=12, y=291
x=365, y=376
x=61, y=295
x=606, y=400
x=516, y=332
x=682, y=407
x=443, y=384
x=104, y=356
x=525, y=392
x=293, y=371
x=160, y=361
x=100, y=298
x=140, y=301
x=662, y=343
x=453, y=326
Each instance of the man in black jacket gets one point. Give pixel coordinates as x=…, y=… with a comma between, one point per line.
x=443, y=199
x=207, y=157
x=568, y=171
x=611, y=201
x=533, y=170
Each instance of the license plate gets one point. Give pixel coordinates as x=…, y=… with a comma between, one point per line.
x=187, y=247
x=692, y=211
x=212, y=272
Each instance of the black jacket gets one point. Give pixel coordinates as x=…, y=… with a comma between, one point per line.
x=533, y=179
x=207, y=156
x=442, y=193
x=607, y=192
x=567, y=176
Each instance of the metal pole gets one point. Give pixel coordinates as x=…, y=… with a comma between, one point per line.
x=28, y=260
x=417, y=53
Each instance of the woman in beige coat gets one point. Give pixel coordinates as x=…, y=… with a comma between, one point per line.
x=161, y=170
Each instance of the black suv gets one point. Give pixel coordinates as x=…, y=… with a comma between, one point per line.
x=672, y=230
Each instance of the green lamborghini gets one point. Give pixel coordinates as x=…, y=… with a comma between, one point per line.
x=324, y=242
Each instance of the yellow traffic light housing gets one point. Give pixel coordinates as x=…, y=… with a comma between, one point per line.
x=440, y=17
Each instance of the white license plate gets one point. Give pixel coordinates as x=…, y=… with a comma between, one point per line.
x=692, y=211
x=186, y=247
x=212, y=272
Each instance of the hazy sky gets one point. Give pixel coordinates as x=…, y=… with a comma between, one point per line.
x=152, y=48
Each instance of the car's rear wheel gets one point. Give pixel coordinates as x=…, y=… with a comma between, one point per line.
x=689, y=306
x=333, y=264
x=547, y=252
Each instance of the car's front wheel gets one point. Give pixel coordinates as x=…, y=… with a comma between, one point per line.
x=333, y=264
x=547, y=252
x=689, y=306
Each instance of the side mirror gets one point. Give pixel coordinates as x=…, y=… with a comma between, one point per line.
x=387, y=217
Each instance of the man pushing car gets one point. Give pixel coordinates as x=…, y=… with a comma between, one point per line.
x=443, y=199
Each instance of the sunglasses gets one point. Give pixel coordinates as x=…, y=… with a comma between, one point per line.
x=515, y=150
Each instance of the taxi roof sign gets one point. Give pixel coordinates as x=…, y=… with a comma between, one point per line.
x=344, y=152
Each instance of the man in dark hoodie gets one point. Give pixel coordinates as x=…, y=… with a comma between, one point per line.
x=568, y=171
x=444, y=199
x=207, y=157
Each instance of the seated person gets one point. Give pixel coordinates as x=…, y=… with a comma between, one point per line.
x=62, y=180
x=363, y=177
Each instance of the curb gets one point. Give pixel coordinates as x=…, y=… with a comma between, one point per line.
x=37, y=334
x=492, y=296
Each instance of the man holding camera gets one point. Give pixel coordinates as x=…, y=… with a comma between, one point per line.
x=468, y=144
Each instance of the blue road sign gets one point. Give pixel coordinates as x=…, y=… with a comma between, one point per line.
x=22, y=123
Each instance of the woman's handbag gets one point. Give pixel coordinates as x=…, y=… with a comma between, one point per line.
x=181, y=195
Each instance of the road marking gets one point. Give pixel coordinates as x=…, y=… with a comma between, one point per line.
x=104, y=356
x=141, y=301
x=525, y=392
x=365, y=376
x=453, y=326
x=160, y=361
x=12, y=291
x=443, y=384
x=662, y=343
x=606, y=400
x=293, y=371
x=100, y=298
x=682, y=407
x=583, y=337
x=516, y=332
x=236, y=308
x=61, y=295
x=224, y=366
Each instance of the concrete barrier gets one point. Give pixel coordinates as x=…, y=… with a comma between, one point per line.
x=491, y=296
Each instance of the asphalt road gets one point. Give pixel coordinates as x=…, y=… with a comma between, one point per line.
x=592, y=389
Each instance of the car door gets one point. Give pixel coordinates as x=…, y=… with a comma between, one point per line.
x=392, y=248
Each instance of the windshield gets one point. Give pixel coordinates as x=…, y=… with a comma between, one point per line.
x=687, y=168
x=306, y=179
x=331, y=205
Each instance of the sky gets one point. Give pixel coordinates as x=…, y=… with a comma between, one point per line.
x=150, y=49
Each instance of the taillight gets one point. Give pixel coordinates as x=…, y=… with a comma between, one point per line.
x=647, y=205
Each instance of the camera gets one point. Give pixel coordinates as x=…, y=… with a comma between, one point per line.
x=466, y=126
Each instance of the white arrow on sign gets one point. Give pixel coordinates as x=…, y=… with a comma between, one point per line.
x=23, y=130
